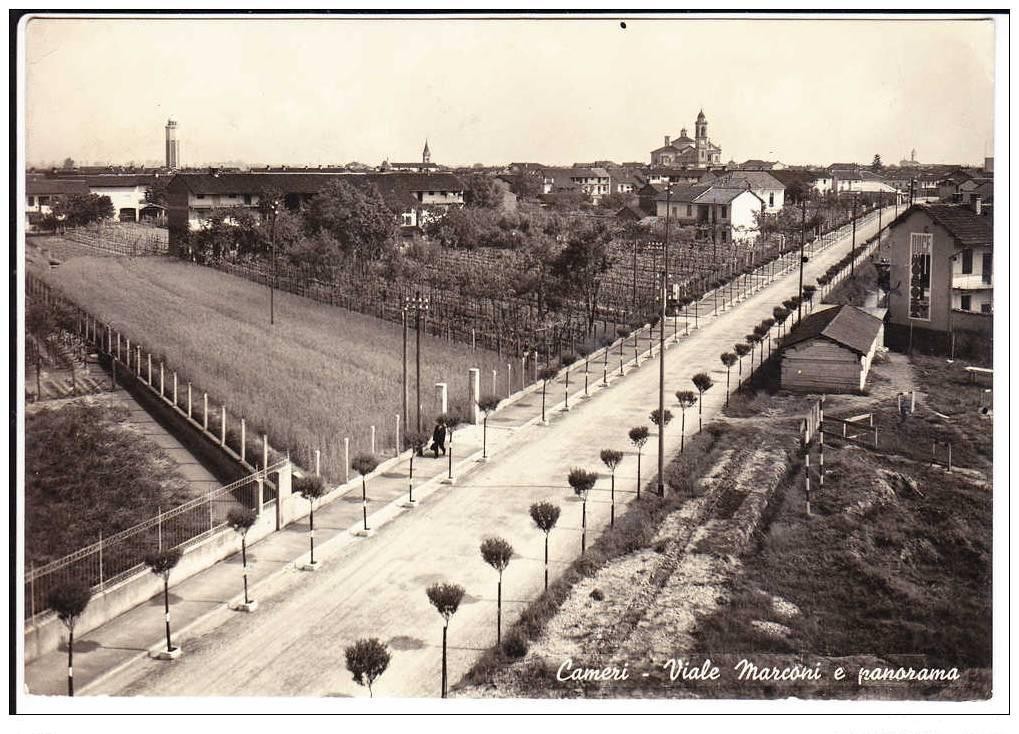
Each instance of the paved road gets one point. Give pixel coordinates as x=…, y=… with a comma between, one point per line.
x=294, y=644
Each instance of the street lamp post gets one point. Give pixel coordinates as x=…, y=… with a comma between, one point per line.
x=803, y=240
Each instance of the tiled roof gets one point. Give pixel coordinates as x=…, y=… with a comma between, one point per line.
x=740, y=179
x=114, y=181
x=844, y=325
x=49, y=186
x=969, y=228
x=702, y=194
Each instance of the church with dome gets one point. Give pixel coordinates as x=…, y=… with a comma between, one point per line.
x=687, y=152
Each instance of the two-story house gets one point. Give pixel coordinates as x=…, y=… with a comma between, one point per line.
x=725, y=214
x=941, y=275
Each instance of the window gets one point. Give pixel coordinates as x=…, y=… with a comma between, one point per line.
x=985, y=274
x=771, y=199
x=247, y=198
x=31, y=201
x=965, y=302
x=725, y=212
x=985, y=308
x=199, y=196
x=44, y=200
x=689, y=210
x=967, y=262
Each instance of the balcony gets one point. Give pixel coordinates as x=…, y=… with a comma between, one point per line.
x=971, y=282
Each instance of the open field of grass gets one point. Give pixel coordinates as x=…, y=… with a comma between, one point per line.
x=318, y=375
x=88, y=471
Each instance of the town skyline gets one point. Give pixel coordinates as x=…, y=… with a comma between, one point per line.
x=480, y=113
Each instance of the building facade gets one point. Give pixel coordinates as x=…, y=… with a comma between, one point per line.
x=941, y=272
x=831, y=350
x=728, y=214
x=768, y=188
x=684, y=151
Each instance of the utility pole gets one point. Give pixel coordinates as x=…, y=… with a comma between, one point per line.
x=406, y=386
x=668, y=201
x=803, y=240
x=852, y=261
x=419, y=304
x=661, y=394
x=272, y=274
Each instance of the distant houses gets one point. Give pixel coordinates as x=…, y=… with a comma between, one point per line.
x=724, y=214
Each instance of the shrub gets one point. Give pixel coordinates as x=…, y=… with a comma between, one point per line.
x=597, y=595
x=515, y=645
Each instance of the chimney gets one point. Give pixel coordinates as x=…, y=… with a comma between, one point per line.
x=977, y=206
x=667, y=140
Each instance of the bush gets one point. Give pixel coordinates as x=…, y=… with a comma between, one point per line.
x=597, y=595
x=515, y=645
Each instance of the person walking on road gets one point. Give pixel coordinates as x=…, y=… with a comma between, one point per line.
x=439, y=437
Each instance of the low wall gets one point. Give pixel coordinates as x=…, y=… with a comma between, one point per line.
x=49, y=632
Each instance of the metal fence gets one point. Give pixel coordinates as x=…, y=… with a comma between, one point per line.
x=116, y=558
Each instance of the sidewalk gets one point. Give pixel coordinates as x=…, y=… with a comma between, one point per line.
x=275, y=561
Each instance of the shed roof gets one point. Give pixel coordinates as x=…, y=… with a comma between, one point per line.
x=847, y=326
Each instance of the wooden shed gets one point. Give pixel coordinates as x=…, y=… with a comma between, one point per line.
x=831, y=350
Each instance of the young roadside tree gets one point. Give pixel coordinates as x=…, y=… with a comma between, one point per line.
x=487, y=405
x=741, y=349
x=161, y=563
x=638, y=437
x=728, y=359
x=41, y=325
x=582, y=482
x=686, y=400
x=241, y=519
x=367, y=659
x=416, y=442
x=808, y=293
x=703, y=383
x=611, y=459
x=546, y=374
x=657, y=421
x=446, y=599
x=453, y=419
x=497, y=554
x=753, y=340
x=364, y=464
x=311, y=487
x=780, y=314
x=69, y=602
x=545, y=516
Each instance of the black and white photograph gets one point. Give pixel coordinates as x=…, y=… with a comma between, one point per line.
x=509, y=362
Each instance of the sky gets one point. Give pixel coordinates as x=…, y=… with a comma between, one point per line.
x=333, y=90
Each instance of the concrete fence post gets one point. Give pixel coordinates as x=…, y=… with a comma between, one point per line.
x=265, y=450
x=205, y=411
x=523, y=372
x=495, y=386
x=222, y=426
x=346, y=460
x=150, y=368
x=318, y=463
x=244, y=436
x=118, y=347
x=161, y=394
x=175, y=389
x=138, y=360
x=189, y=400
x=441, y=398
x=474, y=393
x=127, y=350
x=509, y=379
x=373, y=439
x=398, y=445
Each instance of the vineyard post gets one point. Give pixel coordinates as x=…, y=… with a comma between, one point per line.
x=244, y=441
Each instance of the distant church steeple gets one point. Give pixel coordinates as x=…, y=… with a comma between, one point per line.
x=426, y=155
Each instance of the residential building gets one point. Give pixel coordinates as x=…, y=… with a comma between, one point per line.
x=664, y=176
x=728, y=214
x=768, y=188
x=127, y=192
x=42, y=194
x=595, y=182
x=425, y=166
x=941, y=272
x=684, y=151
x=414, y=198
x=831, y=350
x=758, y=165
